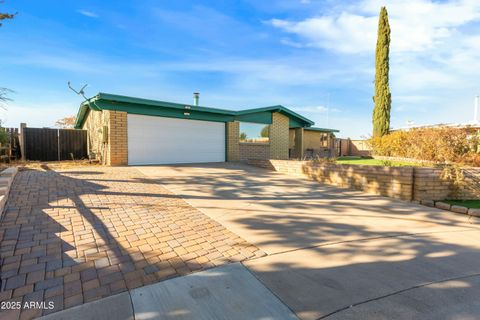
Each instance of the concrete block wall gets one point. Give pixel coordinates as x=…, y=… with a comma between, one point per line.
x=117, y=138
x=406, y=183
x=276, y=148
x=385, y=181
x=233, y=140
x=254, y=151
x=429, y=185
x=6, y=179
x=279, y=136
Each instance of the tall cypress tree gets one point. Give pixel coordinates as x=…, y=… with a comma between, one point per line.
x=382, y=97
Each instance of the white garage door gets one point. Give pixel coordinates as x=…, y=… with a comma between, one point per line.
x=158, y=140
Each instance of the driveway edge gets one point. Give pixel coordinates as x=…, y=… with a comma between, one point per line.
x=6, y=179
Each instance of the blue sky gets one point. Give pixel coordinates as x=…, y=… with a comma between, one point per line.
x=315, y=57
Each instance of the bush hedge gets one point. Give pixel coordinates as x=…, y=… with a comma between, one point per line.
x=444, y=145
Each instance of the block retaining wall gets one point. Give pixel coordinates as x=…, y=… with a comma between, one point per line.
x=406, y=183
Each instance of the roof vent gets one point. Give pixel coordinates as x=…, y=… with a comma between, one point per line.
x=196, y=97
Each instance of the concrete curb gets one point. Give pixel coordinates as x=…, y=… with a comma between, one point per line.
x=453, y=208
x=6, y=180
x=226, y=292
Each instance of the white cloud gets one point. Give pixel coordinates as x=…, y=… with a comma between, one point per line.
x=315, y=109
x=343, y=33
x=417, y=25
x=88, y=13
x=435, y=52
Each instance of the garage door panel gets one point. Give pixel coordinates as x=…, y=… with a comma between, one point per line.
x=158, y=140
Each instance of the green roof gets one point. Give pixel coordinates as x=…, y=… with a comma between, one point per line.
x=105, y=101
x=321, y=129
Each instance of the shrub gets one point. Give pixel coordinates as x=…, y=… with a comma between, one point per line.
x=444, y=145
x=4, y=138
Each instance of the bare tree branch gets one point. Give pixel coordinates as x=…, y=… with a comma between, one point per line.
x=6, y=16
x=4, y=99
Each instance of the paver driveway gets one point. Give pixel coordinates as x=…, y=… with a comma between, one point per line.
x=340, y=254
x=79, y=235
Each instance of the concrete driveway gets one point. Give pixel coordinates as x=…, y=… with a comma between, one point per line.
x=339, y=254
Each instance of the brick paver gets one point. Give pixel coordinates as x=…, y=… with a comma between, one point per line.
x=75, y=236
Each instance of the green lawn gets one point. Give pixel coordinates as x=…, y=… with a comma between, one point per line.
x=375, y=162
x=465, y=203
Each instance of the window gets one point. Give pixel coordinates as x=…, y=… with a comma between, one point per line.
x=254, y=132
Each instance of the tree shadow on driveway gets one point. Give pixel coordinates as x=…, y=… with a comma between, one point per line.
x=331, y=248
x=69, y=240
x=289, y=212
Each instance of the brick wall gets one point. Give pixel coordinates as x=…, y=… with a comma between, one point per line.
x=406, y=183
x=233, y=139
x=279, y=136
x=117, y=138
x=258, y=151
x=115, y=150
x=276, y=148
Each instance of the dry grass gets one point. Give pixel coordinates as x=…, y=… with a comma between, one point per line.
x=53, y=165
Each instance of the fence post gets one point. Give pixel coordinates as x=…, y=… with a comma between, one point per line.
x=58, y=144
x=21, y=140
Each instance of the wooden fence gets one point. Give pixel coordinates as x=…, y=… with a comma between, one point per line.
x=44, y=144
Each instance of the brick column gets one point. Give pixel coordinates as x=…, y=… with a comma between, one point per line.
x=279, y=136
x=298, y=148
x=117, y=138
x=233, y=140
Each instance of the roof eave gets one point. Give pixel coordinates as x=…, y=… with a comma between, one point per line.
x=321, y=129
x=279, y=108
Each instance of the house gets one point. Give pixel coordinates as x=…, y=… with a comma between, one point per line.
x=133, y=131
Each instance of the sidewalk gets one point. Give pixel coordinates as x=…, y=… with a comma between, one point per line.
x=226, y=292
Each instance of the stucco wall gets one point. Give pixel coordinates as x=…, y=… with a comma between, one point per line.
x=311, y=140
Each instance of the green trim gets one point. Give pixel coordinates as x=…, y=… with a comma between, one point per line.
x=321, y=129
x=194, y=114
x=156, y=103
x=293, y=123
x=279, y=108
x=105, y=101
x=263, y=117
